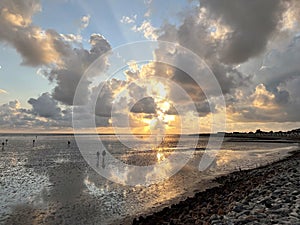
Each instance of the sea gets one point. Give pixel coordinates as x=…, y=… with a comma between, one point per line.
x=49, y=180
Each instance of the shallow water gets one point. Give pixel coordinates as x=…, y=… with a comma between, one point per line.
x=51, y=181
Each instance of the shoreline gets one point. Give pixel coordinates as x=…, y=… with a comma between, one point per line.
x=226, y=203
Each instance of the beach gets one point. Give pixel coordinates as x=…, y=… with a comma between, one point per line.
x=50, y=183
x=265, y=195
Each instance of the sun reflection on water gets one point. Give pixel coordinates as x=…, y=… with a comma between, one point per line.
x=160, y=156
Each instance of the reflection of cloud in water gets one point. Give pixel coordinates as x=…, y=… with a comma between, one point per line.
x=225, y=157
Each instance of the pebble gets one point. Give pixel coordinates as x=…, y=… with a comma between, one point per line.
x=280, y=204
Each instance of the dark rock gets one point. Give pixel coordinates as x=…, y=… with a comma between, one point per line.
x=238, y=208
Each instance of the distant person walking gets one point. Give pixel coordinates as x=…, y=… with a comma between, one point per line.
x=2, y=145
x=98, y=159
x=6, y=141
x=69, y=142
x=103, y=158
x=33, y=143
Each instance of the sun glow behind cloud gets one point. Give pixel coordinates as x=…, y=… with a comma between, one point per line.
x=159, y=122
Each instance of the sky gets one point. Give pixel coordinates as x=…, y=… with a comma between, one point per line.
x=250, y=47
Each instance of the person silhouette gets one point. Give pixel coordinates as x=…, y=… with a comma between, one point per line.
x=98, y=159
x=69, y=142
x=2, y=145
x=103, y=158
x=33, y=142
x=6, y=141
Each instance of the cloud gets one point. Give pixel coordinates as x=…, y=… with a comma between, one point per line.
x=280, y=75
x=145, y=105
x=3, y=91
x=85, y=21
x=71, y=38
x=263, y=99
x=169, y=78
x=12, y=116
x=147, y=29
x=104, y=100
x=128, y=20
x=36, y=46
x=226, y=34
x=62, y=63
x=68, y=77
x=148, y=6
x=39, y=47
x=45, y=106
x=193, y=35
x=252, y=24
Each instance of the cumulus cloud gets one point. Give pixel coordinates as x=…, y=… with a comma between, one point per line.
x=251, y=25
x=13, y=116
x=73, y=63
x=147, y=29
x=226, y=34
x=68, y=76
x=47, y=47
x=280, y=76
x=45, y=106
x=36, y=46
x=263, y=99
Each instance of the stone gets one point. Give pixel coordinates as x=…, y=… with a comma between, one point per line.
x=214, y=217
x=238, y=208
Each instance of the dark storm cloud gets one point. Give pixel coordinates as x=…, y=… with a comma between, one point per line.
x=252, y=24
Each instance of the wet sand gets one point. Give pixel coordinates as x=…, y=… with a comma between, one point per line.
x=265, y=195
x=52, y=184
